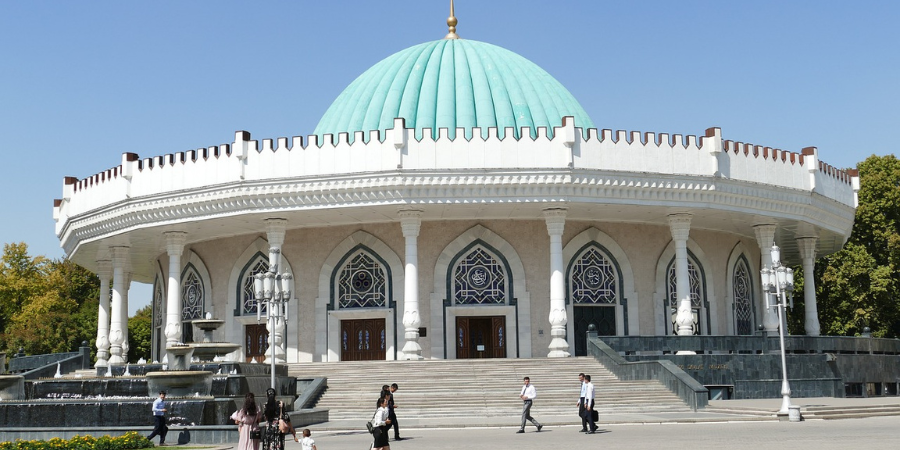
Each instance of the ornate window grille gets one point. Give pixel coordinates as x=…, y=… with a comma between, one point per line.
x=743, y=298
x=593, y=279
x=362, y=283
x=697, y=293
x=158, y=297
x=479, y=279
x=248, y=299
x=192, y=296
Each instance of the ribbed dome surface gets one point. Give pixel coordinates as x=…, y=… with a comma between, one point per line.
x=452, y=83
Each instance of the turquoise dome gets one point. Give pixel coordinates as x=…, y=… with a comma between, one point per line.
x=452, y=83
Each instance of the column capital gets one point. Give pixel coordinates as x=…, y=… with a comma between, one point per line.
x=555, y=219
x=807, y=246
x=104, y=269
x=119, y=255
x=680, y=226
x=175, y=242
x=765, y=235
x=275, y=229
x=410, y=222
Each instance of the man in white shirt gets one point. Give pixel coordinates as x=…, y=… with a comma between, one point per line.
x=159, y=417
x=584, y=421
x=527, y=395
x=589, y=404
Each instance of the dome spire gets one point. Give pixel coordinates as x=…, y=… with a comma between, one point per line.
x=451, y=24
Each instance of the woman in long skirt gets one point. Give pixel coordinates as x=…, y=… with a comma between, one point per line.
x=273, y=437
x=247, y=419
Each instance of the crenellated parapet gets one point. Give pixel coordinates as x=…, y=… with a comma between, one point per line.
x=297, y=161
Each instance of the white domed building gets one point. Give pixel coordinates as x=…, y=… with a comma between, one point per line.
x=455, y=201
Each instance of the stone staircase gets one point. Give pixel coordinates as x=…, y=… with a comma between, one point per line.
x=486, y=388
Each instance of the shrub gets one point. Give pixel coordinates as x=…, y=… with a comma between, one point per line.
x=128, y=441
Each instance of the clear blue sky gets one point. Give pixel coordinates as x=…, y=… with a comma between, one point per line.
x=83, y=82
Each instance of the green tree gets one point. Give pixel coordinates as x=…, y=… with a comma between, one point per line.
x=46, y=304
x=139, y=334
x=859, y=286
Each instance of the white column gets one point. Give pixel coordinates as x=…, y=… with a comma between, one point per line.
x=410, y=223
x=807, y=247
x=116, y=336
x=680, y=227
x=104, y=271
x=765, y=237
x=275, y=231
x=555, y=219
x=174, y=248
x=126, y=286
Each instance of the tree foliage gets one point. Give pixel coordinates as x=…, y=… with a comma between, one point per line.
x=46, y=306
x=859, y=286
x=139, y=334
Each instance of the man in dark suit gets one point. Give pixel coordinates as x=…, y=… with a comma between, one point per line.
x=391, y=413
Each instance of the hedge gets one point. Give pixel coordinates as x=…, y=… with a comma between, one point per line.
x=128, y=441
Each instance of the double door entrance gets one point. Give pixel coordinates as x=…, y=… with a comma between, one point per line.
x=481, y=337
x=363, y=340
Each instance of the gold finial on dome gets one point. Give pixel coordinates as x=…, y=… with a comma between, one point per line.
x=451, y=24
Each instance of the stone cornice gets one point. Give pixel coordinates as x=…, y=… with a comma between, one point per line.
x=549, y=186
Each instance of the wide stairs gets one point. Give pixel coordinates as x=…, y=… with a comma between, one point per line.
x=466, y=392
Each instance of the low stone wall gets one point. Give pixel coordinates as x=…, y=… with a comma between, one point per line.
x=817, y=366
x=694, y=394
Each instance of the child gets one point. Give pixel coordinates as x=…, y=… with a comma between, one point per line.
x=307, y=443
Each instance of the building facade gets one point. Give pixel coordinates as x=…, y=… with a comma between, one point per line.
x=454, y=202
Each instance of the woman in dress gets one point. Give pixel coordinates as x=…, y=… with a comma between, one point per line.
x=247, y=419
x=381, y=421
x=273, y=438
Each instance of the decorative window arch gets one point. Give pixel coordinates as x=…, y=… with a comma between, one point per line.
x=193, y=294
x=362, y=281
x=594, y=277
x=159, y=319
x=699, y=301
x=479, y=276
x=246, y=299
x=742, y=289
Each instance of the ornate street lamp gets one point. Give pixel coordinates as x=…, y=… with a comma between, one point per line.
x=273, y=289
x=778, y=286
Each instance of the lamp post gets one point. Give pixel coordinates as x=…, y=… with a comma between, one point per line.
x=778, y=282
x=273, y=289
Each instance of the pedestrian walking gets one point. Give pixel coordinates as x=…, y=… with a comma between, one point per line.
x=247, y=419
x=307, y=442
x=528, y=395
x=391, y=414
x=381, y=421
x=584, y=421
x=159, y=410
x=589, y=404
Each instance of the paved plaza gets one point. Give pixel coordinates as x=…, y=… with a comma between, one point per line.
x=870, y=433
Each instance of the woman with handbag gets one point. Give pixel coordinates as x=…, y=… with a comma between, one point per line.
x=278, y=423
x=247, y=419
x=380, y=421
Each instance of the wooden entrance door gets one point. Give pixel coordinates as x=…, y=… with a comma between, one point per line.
x=603, y=317
x=363, y=340
x=481, y=337
x=256, y=342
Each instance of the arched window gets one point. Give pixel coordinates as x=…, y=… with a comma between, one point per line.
x=593, y=279
x=159, y=321
x=697, y=293
x=246, y=298
x=192, y=295
x=743, y=298
x=479, y=278
x=362, y=283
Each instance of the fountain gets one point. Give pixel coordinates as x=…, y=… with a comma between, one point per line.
x=201, y=395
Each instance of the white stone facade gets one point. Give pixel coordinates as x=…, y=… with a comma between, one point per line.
x=615, y=194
